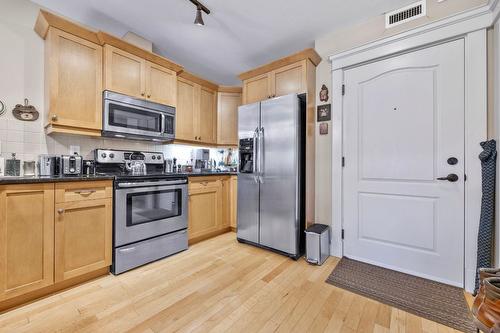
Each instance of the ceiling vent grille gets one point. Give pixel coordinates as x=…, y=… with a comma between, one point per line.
x=405, y=14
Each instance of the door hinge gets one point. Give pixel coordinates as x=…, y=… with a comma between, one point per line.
x=343, y=161
x=342, y=233
x=343, y=89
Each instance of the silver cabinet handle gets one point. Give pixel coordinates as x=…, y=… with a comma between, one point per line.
x=60, y=210
x=159, y=183
x=129, y=249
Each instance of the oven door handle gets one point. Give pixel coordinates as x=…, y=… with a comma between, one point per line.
x=143, y=184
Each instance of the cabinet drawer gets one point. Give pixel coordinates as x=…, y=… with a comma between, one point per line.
x=83, y=190
x=200, y=183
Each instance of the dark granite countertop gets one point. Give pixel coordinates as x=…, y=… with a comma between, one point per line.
x=217, y=173
x=54, y=179
x=50, y=179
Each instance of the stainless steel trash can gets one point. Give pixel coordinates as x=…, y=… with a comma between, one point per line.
x=317, y=243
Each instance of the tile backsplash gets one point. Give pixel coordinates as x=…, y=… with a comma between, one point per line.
x=28, y=140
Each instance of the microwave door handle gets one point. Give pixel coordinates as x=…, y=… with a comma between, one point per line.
x=163, y=124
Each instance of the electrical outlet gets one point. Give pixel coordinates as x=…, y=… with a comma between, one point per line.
x=74, y=150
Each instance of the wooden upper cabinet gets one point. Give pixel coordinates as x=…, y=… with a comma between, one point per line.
x=73, y=84
x=124, y=73
x=207, y=131
x=227, y=117
x=26, y=238
x=187, y=104
x=281, y=77
x=196, y=113
x=131, y=75
x=161, y=84
x=289, y=79
x=257, y=89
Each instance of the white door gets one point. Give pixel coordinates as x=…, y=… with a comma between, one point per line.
x=403, y=121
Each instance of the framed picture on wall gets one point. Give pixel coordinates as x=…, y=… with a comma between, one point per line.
x=324, y=112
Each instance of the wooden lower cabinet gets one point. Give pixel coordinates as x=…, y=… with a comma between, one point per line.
x=233, y=199
x=211, y=206
x=26, y=238
x=52, y=236
x=82, y=237
x=205, y=208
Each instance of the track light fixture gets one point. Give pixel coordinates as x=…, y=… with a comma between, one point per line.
x=199, y=7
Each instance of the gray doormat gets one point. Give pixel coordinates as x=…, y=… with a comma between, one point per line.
x=432, y=300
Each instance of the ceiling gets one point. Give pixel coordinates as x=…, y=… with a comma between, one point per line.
x=237, y=36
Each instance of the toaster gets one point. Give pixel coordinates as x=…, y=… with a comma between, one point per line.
x=71, y=165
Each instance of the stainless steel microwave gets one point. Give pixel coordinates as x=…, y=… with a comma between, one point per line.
x=129, y=117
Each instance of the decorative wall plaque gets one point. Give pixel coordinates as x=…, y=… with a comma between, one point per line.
x=323, y=93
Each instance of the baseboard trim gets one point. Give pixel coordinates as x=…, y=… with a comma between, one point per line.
x=208, y=235
x=30, y=297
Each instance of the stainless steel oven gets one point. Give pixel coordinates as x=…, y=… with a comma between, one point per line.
x=150, y=220
x=128, y=117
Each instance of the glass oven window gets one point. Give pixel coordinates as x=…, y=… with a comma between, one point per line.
x=152, y=206
x=123, y=116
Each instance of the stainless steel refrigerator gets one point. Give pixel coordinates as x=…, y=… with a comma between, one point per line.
x=271, y=198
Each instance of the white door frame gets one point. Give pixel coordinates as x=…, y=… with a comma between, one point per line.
x=470, y=26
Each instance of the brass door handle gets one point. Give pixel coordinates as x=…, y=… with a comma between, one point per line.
x=60, y=210
x=149, y=96
x=54, y=117
x=142, y=94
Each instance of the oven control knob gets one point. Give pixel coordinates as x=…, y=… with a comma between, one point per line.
x=103, y=155
x=111, y=155
x=154, y=157
x=159, y=157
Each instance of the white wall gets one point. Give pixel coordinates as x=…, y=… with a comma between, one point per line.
x=22, y=76
x=348, y=38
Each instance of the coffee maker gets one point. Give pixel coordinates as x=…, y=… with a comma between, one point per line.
x=201, y=159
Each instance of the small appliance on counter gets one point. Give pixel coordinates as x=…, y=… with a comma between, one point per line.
x=201, y=159
x=169, y=166
x=2, y=167
x=48, y=165
x=29, y=168
x=71, y=165
x=13, y=166
x=88, y=167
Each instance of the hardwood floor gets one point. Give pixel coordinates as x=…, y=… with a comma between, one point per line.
x=217, y=285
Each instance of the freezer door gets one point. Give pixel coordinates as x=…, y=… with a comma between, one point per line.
x=248, y=184
x=279, y=197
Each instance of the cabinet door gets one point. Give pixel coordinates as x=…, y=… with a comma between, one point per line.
x=227, y=118
x=26, y=238
x=73, y=81
x=124, y=72
x=82, y=237
x=234, y=202
x=207, y=116
x=257, y=89
x=205, y=207
x=226, y=202
x=161, y=84
x=186, y=112
x=289, y=79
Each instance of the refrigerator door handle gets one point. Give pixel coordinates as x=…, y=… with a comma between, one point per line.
x=261, y=155
x=255, y=156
